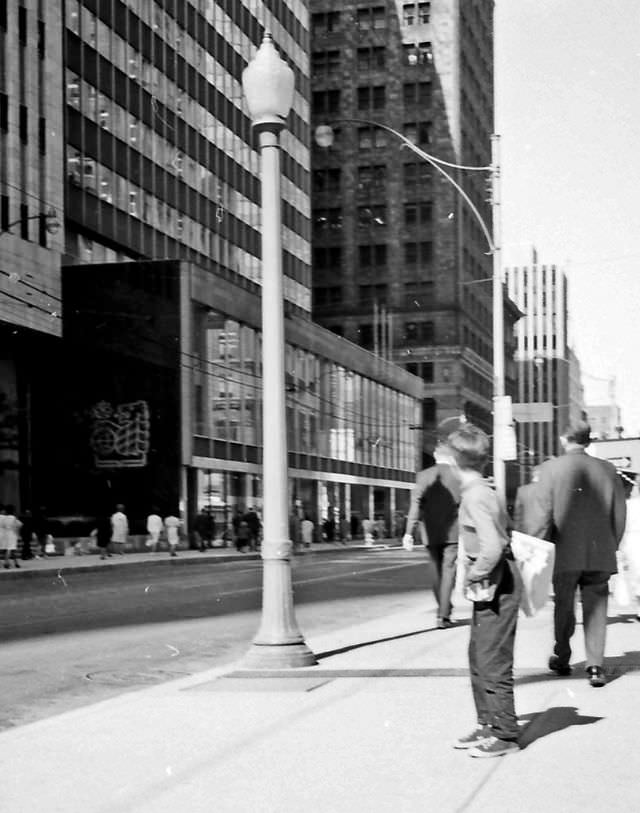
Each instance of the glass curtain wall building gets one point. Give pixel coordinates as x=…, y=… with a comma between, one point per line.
x=160, y=160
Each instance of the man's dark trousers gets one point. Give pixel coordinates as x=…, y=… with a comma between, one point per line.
x=493, y=630
x=594, y=591
x=444, y=558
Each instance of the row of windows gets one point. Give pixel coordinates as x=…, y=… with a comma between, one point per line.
x=374, y=97
x=477, y=343
x=423, y=370
x=477, y=382
x=415, y=254
x=114, y=189
x=369, y=58
x=416, y=294
x=369, y=18
x=331, y=218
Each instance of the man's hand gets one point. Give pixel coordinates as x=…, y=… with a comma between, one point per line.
x=407, y=542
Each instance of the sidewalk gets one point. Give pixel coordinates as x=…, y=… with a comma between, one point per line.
x=369, y=729
x=32, y=568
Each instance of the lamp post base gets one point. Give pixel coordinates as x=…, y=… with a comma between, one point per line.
x=278, y=656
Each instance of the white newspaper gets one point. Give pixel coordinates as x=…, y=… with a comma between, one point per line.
x=535, y=559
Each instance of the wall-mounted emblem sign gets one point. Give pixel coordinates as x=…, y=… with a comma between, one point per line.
x=120, y=434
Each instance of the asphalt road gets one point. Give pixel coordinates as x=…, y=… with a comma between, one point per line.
x=72, y=641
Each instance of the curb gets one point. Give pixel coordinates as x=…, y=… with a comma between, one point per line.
x=24, y=573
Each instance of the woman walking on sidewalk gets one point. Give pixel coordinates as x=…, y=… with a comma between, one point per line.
x=493, y=583
x=9, y=530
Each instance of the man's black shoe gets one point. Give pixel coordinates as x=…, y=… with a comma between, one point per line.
x=561, y=669
x=595, y=676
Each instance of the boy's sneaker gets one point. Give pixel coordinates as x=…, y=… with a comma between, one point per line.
x=479, y=735
x=494, y=747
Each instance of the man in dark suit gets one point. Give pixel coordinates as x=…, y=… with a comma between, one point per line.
x=580, y=506
x=434, y=502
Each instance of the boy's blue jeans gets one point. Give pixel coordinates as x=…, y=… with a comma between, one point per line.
x=493, y=631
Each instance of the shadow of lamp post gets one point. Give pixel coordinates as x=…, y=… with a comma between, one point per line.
x=268, y=84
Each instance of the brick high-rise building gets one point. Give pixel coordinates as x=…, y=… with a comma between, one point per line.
x=400, y=264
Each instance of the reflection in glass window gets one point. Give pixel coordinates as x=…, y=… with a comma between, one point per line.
x=106, y=185
x=73, y=90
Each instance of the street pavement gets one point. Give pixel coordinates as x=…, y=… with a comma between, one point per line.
x=368, y=729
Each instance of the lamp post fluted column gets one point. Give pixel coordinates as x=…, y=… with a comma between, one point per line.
x=268, y=84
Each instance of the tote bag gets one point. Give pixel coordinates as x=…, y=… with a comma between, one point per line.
x=535, y=559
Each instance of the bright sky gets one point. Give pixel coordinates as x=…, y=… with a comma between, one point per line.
x=568, y=110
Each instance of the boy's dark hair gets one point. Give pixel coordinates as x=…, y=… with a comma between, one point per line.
x=470, y=447
x=578, y=432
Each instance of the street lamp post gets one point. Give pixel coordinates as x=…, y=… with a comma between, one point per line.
x=268, y=84
x=501, y=410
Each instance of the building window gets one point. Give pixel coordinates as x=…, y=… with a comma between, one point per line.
x=4, y=212
x=23, y=124
x=41, y=39
x=24, y=221
x=418, y=53
x=369, y=294
x=413, y=368
x=427, y=372
x=418, y=132
x=371, y=98
x=372, y=176
x=369, y=137
x=22, y=25
x=42, y=135
x=325, y=62
x=372, y=256
x=3, y=15
x=419, y=294
x=371, y=18
x=375, y=216
x=428, y=411
x=417, y=94
x=326, y=181
x=417, y=214
x=326, y=101
x=416, y=13
x=365, y=336
x=370, y=59
x=418, y=253
x=327, y=257
x=416, y=177
x=326, y=22
x=4, y=112
x=327, y=219
x=325, y=297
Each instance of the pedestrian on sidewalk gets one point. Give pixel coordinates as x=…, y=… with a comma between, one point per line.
x=154, y=529
x=119, y=529
x=102, y=534
x=580, y=506
x=630, y=545
x=524, y=505
x=41, y=529
x=493, y=582
x=306, y=529
x=204, y=529
x=253, y=521
x=9, y=532
x=172, y=527
x=434, y=504
x=27, y=536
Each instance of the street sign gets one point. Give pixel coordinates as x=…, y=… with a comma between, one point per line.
x=541, y=412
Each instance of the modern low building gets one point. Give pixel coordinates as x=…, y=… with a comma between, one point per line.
x=158, y=404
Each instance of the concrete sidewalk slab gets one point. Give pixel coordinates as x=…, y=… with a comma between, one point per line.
x=346, y=743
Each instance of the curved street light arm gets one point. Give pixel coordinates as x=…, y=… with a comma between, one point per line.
x=437, y=163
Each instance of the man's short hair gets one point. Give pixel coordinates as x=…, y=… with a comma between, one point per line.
x=470, y=447
x=578, y=432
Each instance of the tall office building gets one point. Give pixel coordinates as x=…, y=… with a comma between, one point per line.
x=549, y=390
x=400, y=264
x=155, y=395
x=31, y=214
x=160, y=158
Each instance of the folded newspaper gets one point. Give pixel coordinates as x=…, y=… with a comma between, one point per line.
x=535, y=559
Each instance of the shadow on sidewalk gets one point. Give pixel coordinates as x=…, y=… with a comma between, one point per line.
x=541, y=723
x=351, y=647
x=623, y=618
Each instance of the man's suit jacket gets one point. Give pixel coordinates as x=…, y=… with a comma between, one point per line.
x=524, y=507
x=439, y=488
x=580, y=505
